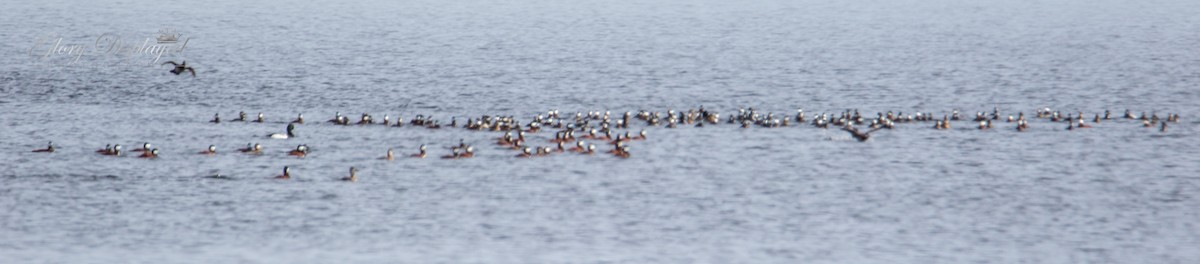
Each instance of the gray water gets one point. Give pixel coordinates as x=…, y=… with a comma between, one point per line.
x=1115, y=193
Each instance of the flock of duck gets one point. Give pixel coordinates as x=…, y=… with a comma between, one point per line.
x=571, y=132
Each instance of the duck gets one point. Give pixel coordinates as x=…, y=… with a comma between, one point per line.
x=252, y=149
x=216, y=118
x=616, y=147
x=505, y=140
x=50, y=146
x=337, y=118
x=468, y=152
x=399, y=121
x=421, y=154
x=525, y=153
x=390, y=155
x=287, y=173
x=212, y=150
x=153, y=153
x=1162, y=129
x=260, y=118
x=453, y=155
x=300, y=151
x=580, y=146
x=145, y=147
x=219, y=177
x=181, y=67
x=623, y=152
x=290, y=134
x=353, y=175
x=241, y=117
x=366, y=119
x=591, y=134
x=115, y=151
x=107, y=148
x=299, y=119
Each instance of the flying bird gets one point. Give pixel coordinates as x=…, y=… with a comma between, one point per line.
x=860, y=136
x=180, y=67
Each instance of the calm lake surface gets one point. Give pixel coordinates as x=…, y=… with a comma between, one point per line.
x=1114, y=193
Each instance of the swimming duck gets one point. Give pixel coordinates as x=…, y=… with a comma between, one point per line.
x=287, y=173
x=289, y=134
x=241, y=117
x=337, y=118
x=353, y=175
x=216, y=118
x=107, y=148
x=390, y=155
x=505, y=140
x=469, y=153
x=623, y=152
x=212, y=150
x=260, y=118
x=50, y=147
x=300, y=151
x=299, y=119
x=1164, y=127
x=525, y=153
x=153, y=153
x=115, y=151
x=181, y=67
x=219, y=177
x=366, y=119
x=420, y=154
x=453, y=155
x=252, y=149
x=145, y=147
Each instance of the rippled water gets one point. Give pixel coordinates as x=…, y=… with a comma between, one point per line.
x=1115, y=193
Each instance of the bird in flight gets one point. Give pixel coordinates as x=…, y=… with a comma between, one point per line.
x=860, y=136
x=180, y=67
